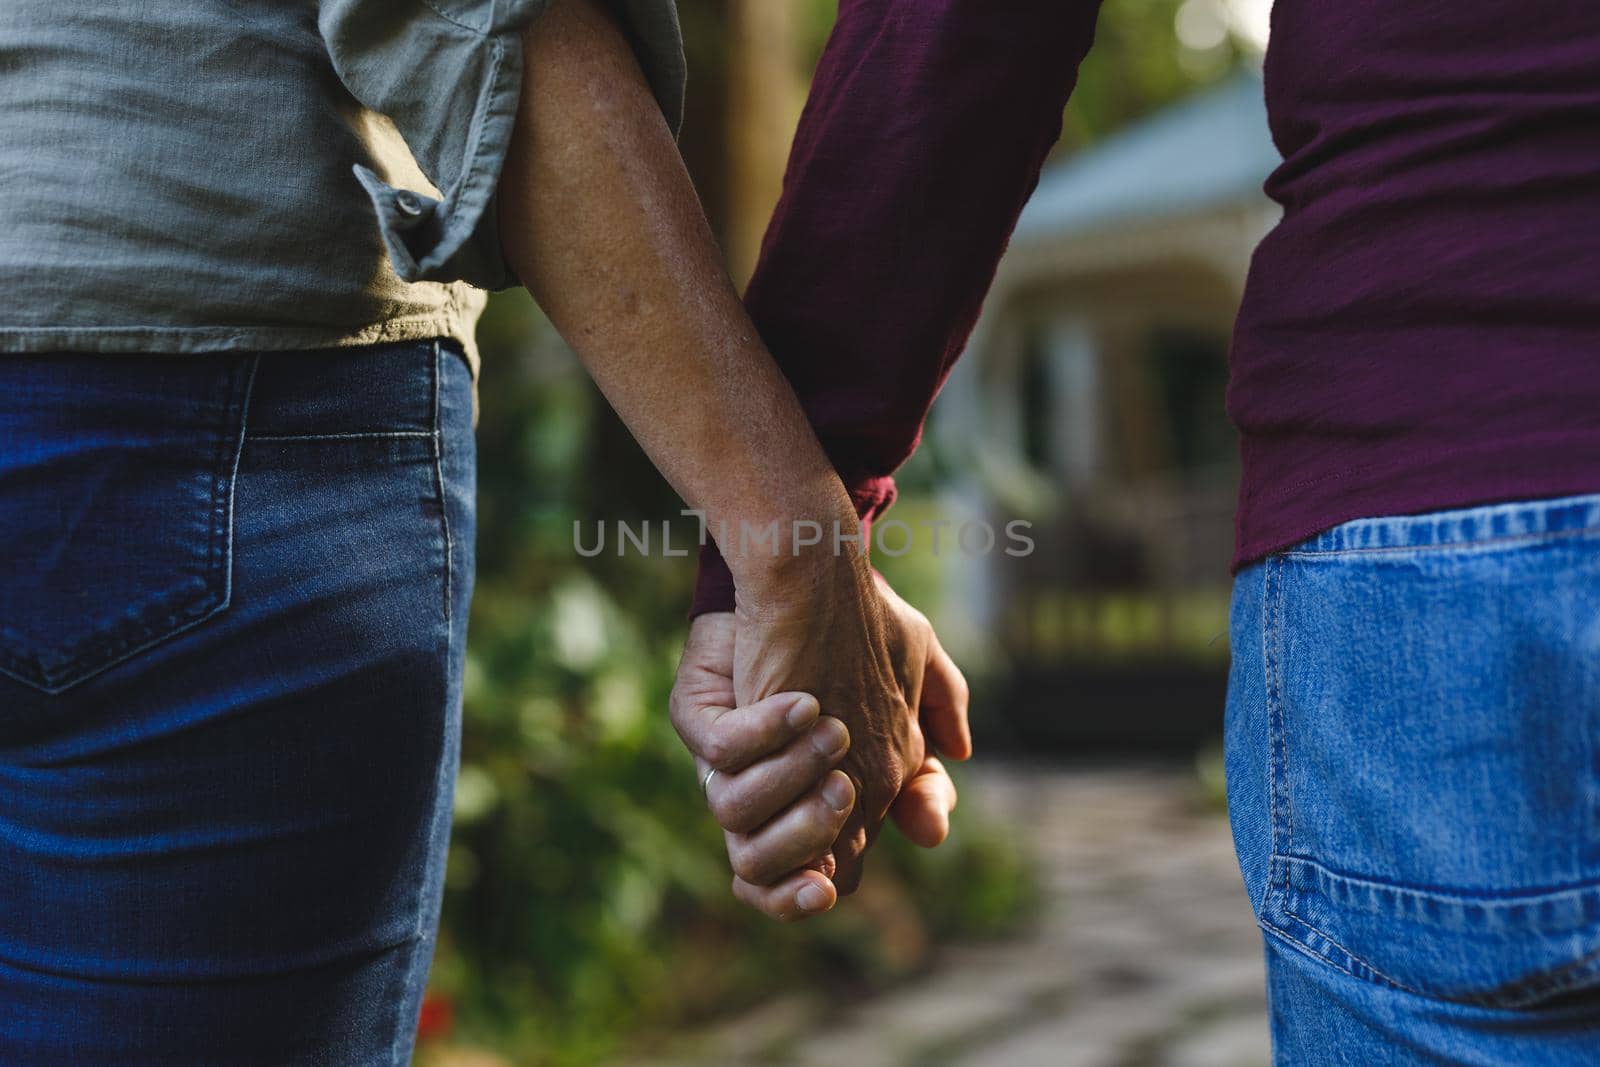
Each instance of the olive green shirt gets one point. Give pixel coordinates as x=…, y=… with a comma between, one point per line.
x=202, y=175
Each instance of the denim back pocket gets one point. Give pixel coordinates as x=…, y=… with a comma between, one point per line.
x=1433, y=711
x=116, y=496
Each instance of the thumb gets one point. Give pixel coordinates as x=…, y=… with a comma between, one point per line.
x=731, y=739
x=944, y=704
x=922, y=810
x=702, y=707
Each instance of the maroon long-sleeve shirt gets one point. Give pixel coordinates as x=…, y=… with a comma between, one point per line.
x=1420, y=331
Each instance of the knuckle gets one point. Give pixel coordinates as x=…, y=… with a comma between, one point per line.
x=812, y=843
x=716, y=749
x=732, y=812
x=747, y=894
x=748, y=866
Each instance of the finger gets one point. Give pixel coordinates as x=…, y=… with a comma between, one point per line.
x=744, y=800
x=795, y=838
x=800, y=896
x=705, y=671
x=731, y=739
x=922, y=810
x=709, y=647
x=849, y=854
x=944, y=705
x=874, y=798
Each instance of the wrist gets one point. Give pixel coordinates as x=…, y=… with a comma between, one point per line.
x=792, y=560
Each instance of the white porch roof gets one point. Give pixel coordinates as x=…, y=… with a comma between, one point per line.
x=1206, y=151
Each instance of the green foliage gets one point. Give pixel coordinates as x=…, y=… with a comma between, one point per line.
x=1136, y=67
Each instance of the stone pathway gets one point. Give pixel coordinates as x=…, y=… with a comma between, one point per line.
x=1146, y=954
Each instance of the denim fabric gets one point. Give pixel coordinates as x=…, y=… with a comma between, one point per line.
x=1413, y=759
x=233, y=597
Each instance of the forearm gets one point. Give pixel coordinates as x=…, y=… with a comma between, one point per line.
x=600, y=221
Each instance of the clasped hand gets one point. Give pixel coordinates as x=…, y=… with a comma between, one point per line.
x=819, y=720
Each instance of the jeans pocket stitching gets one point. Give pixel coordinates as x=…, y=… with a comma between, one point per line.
x=1277, y=913
x=1280, y=812
x=1547, y=941
x=1514, y=994
x=105, y=652
x=439, y=483
x=1344, y=966
x=98, y=652
x=1475, y=546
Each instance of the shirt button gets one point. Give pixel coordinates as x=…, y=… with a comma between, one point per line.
x=409, y=204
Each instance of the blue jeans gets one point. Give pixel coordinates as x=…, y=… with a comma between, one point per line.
x=232, y=611
x=1413, y=760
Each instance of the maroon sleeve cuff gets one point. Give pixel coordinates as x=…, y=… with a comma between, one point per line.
x=713, y=587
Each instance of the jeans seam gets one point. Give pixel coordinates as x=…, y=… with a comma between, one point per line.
x=1584, y=848
x=1280, y=813
x=438, y=473
x=1518, y=994
x=451, y=19
x=1323, y=958
x=233, y=480
x=1525, y=991
x=416, y=945
x=1487, y=899
x=419, y=943
x=1280, y=810
x=374, y=435
x=1291, y=913
x=216, y=540
x=1505, y=541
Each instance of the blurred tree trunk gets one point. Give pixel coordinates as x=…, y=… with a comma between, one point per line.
x=766, y=90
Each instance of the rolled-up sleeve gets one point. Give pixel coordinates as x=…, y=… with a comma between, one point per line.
x=926, y=127
x=448, y=74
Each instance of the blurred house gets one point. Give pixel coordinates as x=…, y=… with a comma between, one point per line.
x=1090, y=402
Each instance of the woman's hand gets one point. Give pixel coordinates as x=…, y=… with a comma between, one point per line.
x=873, y=661
x=775, y=793
x=829, y=633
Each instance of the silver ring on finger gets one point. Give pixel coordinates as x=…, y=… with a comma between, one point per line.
x=705, y=783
